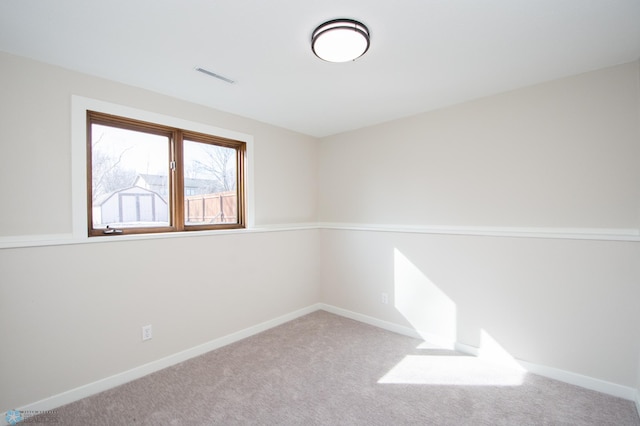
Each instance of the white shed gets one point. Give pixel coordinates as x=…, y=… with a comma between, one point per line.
x=130, y=205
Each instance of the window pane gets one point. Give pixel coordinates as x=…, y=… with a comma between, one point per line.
x=130, y=185
x=210, y=194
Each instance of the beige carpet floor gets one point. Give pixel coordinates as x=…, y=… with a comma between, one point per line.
x=322, y=369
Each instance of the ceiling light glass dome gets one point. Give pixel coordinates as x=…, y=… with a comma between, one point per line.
x=340, y=40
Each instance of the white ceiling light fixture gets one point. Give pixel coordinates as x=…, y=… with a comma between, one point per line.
x=340, y=40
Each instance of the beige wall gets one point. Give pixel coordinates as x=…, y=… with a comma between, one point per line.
x=560, y=154
x=72, y=314
x=563, y=154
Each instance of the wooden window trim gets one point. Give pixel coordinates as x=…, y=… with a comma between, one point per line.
x=176, y=138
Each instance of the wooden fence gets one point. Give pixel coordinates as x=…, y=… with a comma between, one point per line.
x=211, y=208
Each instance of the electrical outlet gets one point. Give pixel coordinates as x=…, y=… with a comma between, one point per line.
x=384, y=298
x=147, y=332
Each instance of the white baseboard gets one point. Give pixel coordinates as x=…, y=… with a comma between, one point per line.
x=390, y=326
x=609, y=388
x=87, y=390
x=587, y=382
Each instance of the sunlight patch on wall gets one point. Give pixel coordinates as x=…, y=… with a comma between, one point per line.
x=427, y=308
x=491, y=351
x=451, y=370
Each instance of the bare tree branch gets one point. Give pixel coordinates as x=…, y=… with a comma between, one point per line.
x=107, y=173
x=217, y=165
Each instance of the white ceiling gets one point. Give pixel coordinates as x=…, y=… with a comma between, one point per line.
x=425, y=54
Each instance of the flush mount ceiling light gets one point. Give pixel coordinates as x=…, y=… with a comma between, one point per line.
x=340, y=40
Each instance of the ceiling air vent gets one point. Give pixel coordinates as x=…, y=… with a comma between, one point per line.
x=213, y=74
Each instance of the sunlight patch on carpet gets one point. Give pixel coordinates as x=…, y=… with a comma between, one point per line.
x=451, y=370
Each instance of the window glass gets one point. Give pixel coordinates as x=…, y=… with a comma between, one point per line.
x=210, y=184
x=129, y=178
